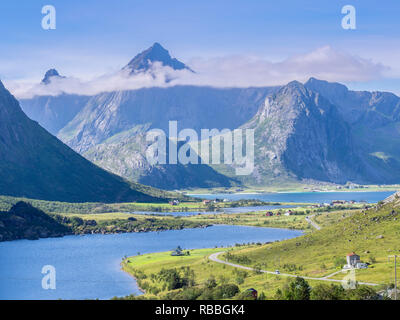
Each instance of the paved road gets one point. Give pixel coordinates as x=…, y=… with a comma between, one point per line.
x=308, y=219
x=214, y=257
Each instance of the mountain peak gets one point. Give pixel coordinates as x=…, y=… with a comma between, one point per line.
x=156, y=53
x=50, y=74
x=294, y=88
x=323, y=86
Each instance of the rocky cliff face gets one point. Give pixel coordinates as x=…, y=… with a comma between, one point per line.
x=35, y=164
x=193, y=107
x=53, y=112
x=375, y=122
x=300, y=133
x=125, y=155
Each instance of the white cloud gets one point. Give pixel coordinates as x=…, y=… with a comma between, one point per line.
x=233, y=71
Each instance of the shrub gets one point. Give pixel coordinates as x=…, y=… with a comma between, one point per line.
x=297, y=289
x=327, y=292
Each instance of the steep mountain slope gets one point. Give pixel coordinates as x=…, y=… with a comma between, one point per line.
x=35, y=164
x=125, y=154
x=375, y=121
x=53, y=112
x=299, y=134
x=193, y=107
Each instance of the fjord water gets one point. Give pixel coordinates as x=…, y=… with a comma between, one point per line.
x=302, y=197
x=88, y=267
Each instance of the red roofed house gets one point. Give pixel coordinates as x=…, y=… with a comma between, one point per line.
x=253, y=292
x=352, y=259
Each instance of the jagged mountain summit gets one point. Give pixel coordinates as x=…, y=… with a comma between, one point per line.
x=51, y=73
x=35, y=164
x=156, y=53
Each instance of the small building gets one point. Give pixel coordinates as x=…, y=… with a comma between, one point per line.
x=269, y=214
x=278, y=213
x=352, y=260
x=174, y=202
x=338, y=202
x=253, y=292
x=206, y=201
x=361, y=265
x=288, y=213
x=177, y=252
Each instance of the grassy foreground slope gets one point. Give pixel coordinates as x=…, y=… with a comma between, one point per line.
x=150, y=269
x=373, y=234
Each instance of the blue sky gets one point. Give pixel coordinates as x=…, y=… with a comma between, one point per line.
x=94, y=37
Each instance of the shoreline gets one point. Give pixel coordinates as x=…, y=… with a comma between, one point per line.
x=105, y=233
x=291, y=192
x=143, y=292
x=134, y=278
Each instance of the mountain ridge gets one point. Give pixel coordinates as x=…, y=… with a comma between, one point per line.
x=37, y=165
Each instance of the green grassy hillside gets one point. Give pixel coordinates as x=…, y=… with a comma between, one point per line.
x=373, y=234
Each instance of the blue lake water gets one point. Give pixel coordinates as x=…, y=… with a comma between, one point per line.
x=88, y=267
x=307, y=197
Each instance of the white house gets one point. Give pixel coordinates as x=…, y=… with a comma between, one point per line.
x=354, y=262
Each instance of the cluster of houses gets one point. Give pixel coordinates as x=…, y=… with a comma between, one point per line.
x=278, y=213
x=174, y=202
x=207, y=201
x=333, y=203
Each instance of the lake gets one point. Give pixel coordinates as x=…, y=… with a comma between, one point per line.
x=88, y=266
x=306, y=197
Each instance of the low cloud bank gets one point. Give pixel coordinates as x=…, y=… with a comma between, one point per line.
x=235, y=71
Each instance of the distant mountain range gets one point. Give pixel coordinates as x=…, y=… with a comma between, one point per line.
x=300, y=134
x=35, y=164
x=317, y=130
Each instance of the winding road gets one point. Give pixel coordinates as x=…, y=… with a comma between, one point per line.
x=308, y=219
x=214, y=257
